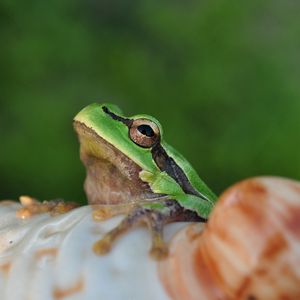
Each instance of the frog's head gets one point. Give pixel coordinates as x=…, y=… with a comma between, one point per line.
x=114, y=150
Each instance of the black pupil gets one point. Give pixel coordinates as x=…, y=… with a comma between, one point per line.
x=146, y=130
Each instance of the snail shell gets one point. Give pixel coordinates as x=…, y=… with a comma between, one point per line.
x=250, y=248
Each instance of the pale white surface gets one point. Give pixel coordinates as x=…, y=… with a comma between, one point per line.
x=46, y=257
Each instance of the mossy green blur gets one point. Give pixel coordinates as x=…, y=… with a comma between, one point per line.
x=222, y=77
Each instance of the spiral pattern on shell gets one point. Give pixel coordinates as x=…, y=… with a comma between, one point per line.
x=250, y=248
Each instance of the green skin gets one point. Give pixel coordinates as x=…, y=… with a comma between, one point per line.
x=169, y=189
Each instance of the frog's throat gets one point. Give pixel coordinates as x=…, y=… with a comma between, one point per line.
x=112, y=177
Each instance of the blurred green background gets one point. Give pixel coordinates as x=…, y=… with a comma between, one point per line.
x=221, y=76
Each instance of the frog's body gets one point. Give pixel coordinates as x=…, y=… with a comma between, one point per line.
x=128, y=161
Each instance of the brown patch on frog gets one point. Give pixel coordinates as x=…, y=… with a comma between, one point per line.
x=61, y=293
x=46, y=252
x=111, y=176
x=5, y=268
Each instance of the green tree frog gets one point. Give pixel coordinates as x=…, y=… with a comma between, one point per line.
x=132, y=170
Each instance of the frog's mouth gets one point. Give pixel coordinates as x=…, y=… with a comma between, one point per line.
x=111, y=177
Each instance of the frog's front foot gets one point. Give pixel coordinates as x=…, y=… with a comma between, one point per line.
x=154, y=219
x=141, y=215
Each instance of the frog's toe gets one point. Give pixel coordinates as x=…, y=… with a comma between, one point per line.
x=155, y=219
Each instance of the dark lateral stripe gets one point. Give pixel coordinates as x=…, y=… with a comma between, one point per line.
x=168, y=164
x=126, y=121
x=163, y=160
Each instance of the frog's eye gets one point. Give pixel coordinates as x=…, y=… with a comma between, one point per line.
x=144, y=133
